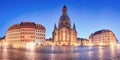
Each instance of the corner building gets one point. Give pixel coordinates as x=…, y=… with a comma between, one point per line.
x=26, y=32
x=103, y=37
x=64, y=34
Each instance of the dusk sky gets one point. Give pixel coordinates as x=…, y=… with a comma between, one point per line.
x=88, y=15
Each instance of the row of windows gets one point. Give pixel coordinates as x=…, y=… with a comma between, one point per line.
x=17, y=36
x=32, y=30
x=17, y=30
x=102, y=41
x=22, y=41
x=24, y=33
x=28, y=37
x=101, y=37
x=13, y=32
x=27, y=33
x=27, y=30
x=13, y=35
x=41, y=40
x=40, y=31
x=40, y=34
x=40, y=37
x=26, y=41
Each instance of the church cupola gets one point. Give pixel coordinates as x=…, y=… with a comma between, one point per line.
x=64, y=20
x=64, y=10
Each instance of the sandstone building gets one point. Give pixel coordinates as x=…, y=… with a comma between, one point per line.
x=64, y=34
x=26, y=32
x=103, y=37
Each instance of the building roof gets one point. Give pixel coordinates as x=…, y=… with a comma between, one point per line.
x=50, y=39
x=2, y=38
x=82, y=39
x=27, y=25
x=101, y=31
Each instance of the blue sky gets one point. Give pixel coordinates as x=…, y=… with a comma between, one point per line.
x=88, y=15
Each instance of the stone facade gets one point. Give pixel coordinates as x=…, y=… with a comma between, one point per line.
x=49, y=42
x=64, y=34
x=26, y=32
x=2, y=41
x=103, y=37
x=83, y=41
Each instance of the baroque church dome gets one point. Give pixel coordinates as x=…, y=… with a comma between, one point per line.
x=64, y=20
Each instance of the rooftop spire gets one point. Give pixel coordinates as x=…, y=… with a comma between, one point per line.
x=74, y=27
x=64, y=6
x=64, y=10
x=55, y=28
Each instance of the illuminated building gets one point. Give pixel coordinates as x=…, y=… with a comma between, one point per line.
x=2, y=38
x=2, y=41
x=102, y=37
x=83, y=41
x=64, y=34
x=26, y=32
x=49, y=42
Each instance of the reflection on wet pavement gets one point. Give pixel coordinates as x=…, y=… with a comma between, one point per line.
x=61, y=53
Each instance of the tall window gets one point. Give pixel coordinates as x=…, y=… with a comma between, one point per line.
x=64, y=37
